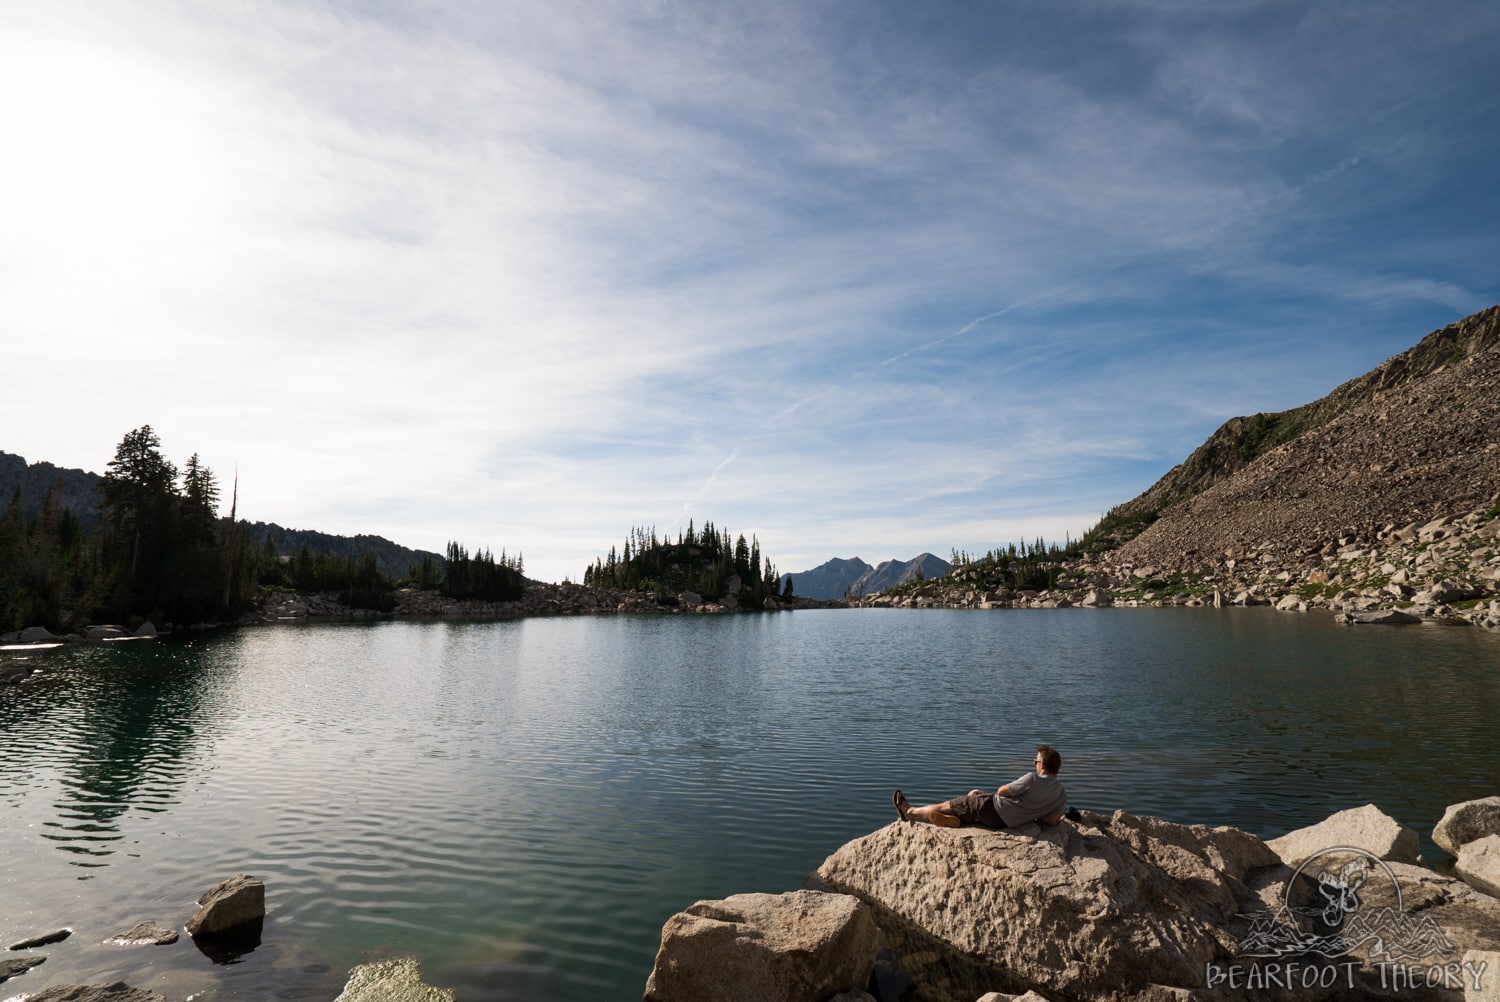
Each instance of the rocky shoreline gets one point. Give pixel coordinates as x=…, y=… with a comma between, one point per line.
x=292, y=607
x=1100, y=908
x=226, y=926
x=1111, y=908
x=1445, y=570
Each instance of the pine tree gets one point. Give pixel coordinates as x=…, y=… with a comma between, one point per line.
x=138, y=498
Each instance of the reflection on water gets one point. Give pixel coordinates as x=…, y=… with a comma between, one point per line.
x=524, y=803
x=112, y=730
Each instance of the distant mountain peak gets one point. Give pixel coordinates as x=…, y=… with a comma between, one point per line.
x=852, y=576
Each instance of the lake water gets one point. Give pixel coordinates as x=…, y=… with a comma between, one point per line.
x=523, y=804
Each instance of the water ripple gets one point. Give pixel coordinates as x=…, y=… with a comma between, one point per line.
x=525, y=803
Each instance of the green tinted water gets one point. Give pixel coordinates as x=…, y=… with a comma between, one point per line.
x=523, y=804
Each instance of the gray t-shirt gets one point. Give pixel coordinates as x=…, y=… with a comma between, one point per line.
x=1031, y=797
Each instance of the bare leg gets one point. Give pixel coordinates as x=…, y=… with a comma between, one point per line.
x=934, y=814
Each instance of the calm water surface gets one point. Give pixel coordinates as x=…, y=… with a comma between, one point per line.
x=523, y=804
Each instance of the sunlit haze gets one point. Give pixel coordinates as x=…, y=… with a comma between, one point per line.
x=859, y=279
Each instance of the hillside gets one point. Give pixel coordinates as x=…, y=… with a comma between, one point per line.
x=1379, y=501
x=1416, y=438
x=79, y=492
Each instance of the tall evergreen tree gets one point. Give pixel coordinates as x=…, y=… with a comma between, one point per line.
x=138, y=498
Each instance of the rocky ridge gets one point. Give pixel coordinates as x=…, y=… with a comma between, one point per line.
x=1379, y=448
x=1415, y=439
x=1385, y=494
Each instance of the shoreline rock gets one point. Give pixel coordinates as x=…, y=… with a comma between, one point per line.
x=1466, y=822
x=1123, y=908
x=765, y=948
x=1367, y=828
x=1442, y=570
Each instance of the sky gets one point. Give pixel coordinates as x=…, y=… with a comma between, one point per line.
x=856, y=279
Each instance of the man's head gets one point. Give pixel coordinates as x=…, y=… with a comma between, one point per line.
x=1047, y=759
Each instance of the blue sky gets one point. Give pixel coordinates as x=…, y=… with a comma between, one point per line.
x=860, y=279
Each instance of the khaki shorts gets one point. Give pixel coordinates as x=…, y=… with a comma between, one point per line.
x=976, y=809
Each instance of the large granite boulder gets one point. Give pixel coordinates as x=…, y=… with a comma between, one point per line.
x=803, y=945
x=1366, y=828
x=1479, y=865
x=1465, y=822
x=1107, y=907
x=229, y=907
x=1135, y=909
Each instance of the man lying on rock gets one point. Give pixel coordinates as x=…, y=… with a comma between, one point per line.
x=1036, y=796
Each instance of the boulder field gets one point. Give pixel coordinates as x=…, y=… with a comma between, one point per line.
x=1107, y=908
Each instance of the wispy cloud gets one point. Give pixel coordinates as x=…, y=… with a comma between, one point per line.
x=855, y=278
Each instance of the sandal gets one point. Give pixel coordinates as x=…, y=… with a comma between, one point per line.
x=902, y=807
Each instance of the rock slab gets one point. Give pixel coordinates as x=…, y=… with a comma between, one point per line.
x=229, y=906
x=1465, y=822
x=1367, y=828
x=1479, y=865
x=765, y=948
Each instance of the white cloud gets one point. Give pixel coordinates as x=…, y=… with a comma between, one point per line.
x=527, y=275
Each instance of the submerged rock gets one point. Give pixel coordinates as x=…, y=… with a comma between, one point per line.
x=1377, y=616
x=15, y=674
x=398, y=980
x=118, y=991
x=145, y=934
